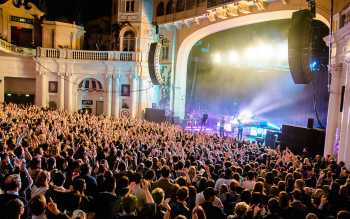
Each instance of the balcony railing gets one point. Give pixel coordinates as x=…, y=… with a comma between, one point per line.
x=10, y=48
x=87, y=55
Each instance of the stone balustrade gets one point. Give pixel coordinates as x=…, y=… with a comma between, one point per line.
x=10, y=48
x=88, y=55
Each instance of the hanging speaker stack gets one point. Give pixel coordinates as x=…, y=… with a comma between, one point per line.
x=307, y=52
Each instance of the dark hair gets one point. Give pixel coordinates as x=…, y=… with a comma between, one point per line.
x=209, y=193
x=84, y=169
x=165, y=171
x=58, y=178
x=182, y=193
x=343, y=214
x=13, y=208
x=79, y=184
x=110, y=183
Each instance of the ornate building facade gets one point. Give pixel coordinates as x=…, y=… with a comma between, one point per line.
x=43, y=62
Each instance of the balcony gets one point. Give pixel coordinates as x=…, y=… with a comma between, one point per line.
x=15, y=50
x=88, y=55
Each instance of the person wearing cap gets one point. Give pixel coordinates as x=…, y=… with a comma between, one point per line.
x=210, y=210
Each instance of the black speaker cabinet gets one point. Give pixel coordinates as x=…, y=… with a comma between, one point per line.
x=299, y=138
x=299, y=41
x=155, y=115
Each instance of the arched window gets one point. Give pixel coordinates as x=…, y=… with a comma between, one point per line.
x=169, y=7
x=129, y=41
x=180, y=5
x=160, y=9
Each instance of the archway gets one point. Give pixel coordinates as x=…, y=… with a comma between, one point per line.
x=91, y=96
x=178, y=96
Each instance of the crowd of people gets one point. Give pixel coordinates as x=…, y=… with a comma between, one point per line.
x=63, y=165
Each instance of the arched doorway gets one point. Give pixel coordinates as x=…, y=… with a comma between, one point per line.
x=91, y=96
x=178, y=94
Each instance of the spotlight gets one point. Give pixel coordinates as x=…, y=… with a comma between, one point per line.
x=27, y=95
x=315, y=65
x=9, y=94
x=281, y=52
x=245, y=116
x=234, y=58
x=216, y=58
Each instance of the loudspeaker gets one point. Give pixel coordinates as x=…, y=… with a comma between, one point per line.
x=310, y=123
x=271, y=138
x=154, y=115
x=299, y=38
x=342, y=98
x=153, y=64
x=307, y=52
x=299, y=138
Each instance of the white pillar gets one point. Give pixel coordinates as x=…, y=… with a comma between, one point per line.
x=108, y=95
x=116, y=96
x=333, y=111
x=68, y=93
x=61, y=91
x=2, y=89
x=41, y=89
x=135, y=96
x=344, y=152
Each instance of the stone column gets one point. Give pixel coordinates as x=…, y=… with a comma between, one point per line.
x=116, y=96
x=344, y=152
x=2, y=89
x=61, y=91
x=108, y=95
x=68, y=93
x=135, y=95
x=41, y=89
x=333, y=110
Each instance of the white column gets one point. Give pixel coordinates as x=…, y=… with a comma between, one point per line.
x=135, y=96
x=333, y=111
x=116, y=96
x=108, y=95
x=41, y=89
x=344, y=151
x=68, y=93
x=2, y=89
x=61, y=91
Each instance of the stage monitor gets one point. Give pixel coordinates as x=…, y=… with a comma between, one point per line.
x=155, y=115
x=299, y=138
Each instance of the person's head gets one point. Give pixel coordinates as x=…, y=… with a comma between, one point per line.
x=311, y=216
x=296, y=194
x=180, y=216
x=129, y=203
x=283, y=199
x=158, y=195
x=85, y=169
x=182, y=193
x=12, y=183
x=42, y=179
x=209, y=194
x=273, y=205
x=165, y=171
x=199, y=213
x=79, y=185
x=299, y=184
x=58, y=178
x=259, y=187
x=79, y=214
x=343, y=214
x=241, y=208
x=38, y=205
x=14, y=209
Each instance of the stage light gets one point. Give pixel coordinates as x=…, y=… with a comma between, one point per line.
x=281, y=52
x=315, y=65
x=245, y=116
x=234, y=57
x=9, y=94
x=265, y=52
x=27, y=95
x=250, y=54
x=216, y=58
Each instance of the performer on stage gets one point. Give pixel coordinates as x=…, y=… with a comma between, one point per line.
x=222, y=127
x=240, y=130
